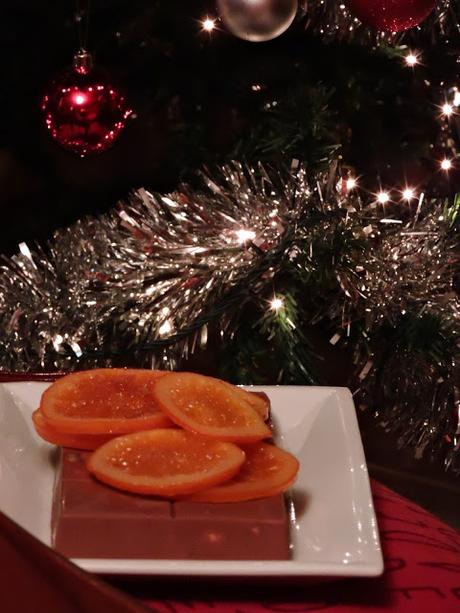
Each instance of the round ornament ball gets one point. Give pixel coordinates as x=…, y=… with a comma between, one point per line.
x=391, y=15
x=257, y=20
x=84, y=111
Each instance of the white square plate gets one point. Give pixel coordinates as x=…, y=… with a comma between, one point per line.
x=334, y=530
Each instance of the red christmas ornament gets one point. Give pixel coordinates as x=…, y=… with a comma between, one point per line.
x=391, y=15
x=84, y=111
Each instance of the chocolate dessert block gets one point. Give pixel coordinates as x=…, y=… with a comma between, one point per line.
x=92, y=520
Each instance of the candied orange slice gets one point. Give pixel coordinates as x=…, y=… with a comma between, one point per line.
x=166, y=462
x=101, y=401
x=209, y=407
x=259, y=401
x=268, y=470
x=65, y=439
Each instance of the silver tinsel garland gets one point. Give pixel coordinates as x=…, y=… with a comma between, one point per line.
x=151, y=274
x=141, y=284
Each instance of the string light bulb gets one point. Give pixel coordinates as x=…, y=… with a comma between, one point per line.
x=408, y=193
x=447, y=109
x=245, y=235
x=383, y=197
x=411, y=59
x=350, y=184
x=276, y=304
x=208, y=24
x=446, y=164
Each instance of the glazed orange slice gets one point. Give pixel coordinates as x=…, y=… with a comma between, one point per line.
x=101, y=401
x=268, y=470
x=259, y=402
x=209, y=407
x=64, y=439
x=166, y=462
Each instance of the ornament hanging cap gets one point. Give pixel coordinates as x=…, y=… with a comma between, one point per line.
x=82, y=62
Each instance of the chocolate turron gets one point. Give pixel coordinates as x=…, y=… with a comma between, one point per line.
x=92, y=520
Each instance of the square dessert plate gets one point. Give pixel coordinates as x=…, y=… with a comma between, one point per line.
x=333, y=525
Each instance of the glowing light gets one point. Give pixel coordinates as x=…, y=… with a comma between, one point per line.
x=383, y=197
x=456, y=100
x=208, y=24
x=165, y=328
x=245, y=235
x=408, y=193
x=446, y=164
x=351, y=184
x=411, y=59
x=57, y=342
x=79, y=99
x=447, y=109
x=276, y=304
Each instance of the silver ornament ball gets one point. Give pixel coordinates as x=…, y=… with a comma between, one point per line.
x=257, y=20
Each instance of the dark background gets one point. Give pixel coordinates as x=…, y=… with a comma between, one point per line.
x=193, y=104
